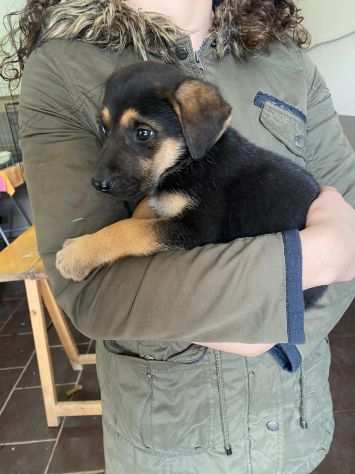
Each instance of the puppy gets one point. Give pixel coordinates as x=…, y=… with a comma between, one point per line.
x=168, y=138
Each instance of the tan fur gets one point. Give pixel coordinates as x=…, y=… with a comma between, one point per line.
x=226, y=124
x=193, y=93
x=170, y=205
x=166, y=157
x=128, y=237
x=106, y=117
x=128, y=116
x=144, y=210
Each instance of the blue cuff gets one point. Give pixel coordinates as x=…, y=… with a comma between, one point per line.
x=294, y=292
x=287, y=356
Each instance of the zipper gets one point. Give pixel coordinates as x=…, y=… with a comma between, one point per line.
x=198, y=60
x=198, y=57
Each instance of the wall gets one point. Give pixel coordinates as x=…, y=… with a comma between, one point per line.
x=328, y=20
x=332, y=26
x=7, y=6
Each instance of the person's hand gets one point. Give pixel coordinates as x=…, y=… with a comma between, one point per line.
x=328, y=241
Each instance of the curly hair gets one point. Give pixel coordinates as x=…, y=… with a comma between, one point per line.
x=242, y=27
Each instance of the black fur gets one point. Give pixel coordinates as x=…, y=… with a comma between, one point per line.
x=241, y=190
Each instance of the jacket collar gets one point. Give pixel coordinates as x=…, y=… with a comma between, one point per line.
x=115, y=25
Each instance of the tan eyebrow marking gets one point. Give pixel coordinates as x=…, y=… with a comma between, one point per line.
x=127, y=116
x=106, y=116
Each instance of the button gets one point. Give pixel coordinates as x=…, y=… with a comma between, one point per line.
x=181, y=52
x=149, y=357
x=272, y=426
x=299, y=141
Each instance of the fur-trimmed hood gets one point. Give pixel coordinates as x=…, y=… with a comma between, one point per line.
x=112, y=23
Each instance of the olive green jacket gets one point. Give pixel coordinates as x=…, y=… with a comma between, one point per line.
x=172, y=397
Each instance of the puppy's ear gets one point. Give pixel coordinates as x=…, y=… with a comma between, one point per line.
x=203, y=113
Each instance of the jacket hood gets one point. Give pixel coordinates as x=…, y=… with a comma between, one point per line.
x=112, y=23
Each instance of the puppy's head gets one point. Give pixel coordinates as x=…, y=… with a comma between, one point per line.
x=155, y=117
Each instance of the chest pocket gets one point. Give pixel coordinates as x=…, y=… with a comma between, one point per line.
x=285, y=122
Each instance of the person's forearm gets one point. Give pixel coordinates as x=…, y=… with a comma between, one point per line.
x=327, y=242
x=316, y=270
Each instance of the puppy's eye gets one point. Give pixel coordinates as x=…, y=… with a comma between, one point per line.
x=144, y=134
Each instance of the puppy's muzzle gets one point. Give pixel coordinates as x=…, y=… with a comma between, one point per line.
x=105, y=186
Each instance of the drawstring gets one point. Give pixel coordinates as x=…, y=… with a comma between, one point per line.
x=303, y=421
x=222, y=403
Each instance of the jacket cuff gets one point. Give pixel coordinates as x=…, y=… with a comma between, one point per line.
x=294, y=292
x=287, y=356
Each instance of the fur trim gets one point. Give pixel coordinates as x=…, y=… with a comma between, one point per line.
x=112, y=23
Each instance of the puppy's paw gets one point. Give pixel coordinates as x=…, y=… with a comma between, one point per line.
x=76, y=259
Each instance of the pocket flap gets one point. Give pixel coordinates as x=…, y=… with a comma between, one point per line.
x=285, y=126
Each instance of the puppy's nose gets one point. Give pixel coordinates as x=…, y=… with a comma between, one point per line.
x=104, y=186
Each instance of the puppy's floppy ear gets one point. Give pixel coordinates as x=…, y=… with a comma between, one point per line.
x=203, y=113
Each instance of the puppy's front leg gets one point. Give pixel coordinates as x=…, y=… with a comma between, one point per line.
x=144, y=211
x=129, y=237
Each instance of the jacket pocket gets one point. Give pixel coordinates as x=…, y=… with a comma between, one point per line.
x=179, y=415
x=284, y=121
x=158, y=405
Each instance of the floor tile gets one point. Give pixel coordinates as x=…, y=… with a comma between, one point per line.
x=15, y=350
x=7, y=309
x=80, y=446
x=24, y=419
x=25, y=458
x=19, y=322
x=86, y=389
x=342, y=374
x=90, y=385
x=346, y=326
x=7, y=381
x=341, y=458
x=11, y=290
x=63, y=372
x=54, y=339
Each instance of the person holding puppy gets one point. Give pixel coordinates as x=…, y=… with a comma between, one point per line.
x=251, y=394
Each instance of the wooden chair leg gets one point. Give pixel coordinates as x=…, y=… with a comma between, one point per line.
x=61, y=325
x=44, y=358
x=77, y=360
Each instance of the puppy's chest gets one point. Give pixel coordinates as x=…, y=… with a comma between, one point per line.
x=171, y=204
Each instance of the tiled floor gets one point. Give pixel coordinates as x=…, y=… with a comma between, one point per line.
x=28, y=446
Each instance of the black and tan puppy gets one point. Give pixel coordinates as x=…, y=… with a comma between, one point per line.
x=168, y=139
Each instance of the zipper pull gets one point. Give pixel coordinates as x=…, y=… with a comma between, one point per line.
x=198, y=60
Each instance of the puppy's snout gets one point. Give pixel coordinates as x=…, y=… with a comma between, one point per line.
x=104, y=185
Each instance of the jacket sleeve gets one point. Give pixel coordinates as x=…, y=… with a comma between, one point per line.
x=331, y=159
x=231, y=292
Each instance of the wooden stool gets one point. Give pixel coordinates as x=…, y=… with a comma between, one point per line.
x=21, y=261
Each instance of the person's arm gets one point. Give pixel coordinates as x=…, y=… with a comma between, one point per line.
x=328, y=243
x=237, y=292
x=331, y=159
x=328, y=251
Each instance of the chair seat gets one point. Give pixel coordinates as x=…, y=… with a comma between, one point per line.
x=20, y=260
